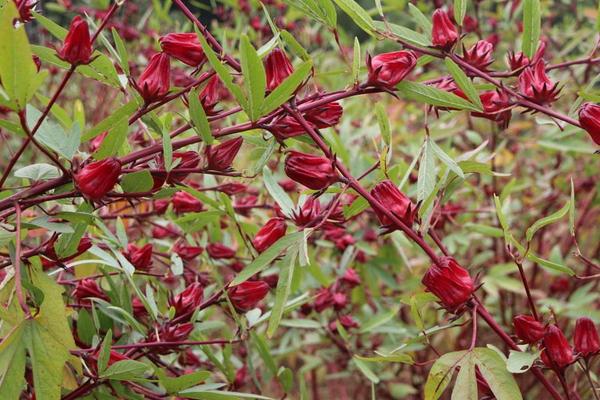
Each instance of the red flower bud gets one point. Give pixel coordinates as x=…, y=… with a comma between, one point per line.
x=185, y=202
x=443, y=32
x=98, y=178
x=219, y=251
x=26, y=8
x=277, y=67
x=389, y=69
x=557, y=350
x=586, y=337
x=286, y=127
x=516, y=61
x=589, y=118
x=77, y=47
x=288, y=185
x=113, y=358
x=51, y=258
x=186, y=302
x=450, y=282
x=232, y=188
x=181, y=160
x=271, y=232
x=470, y=24
x=528, y=329
x=351, y=278
x=247, y=295
x=480, y=55
x=346, y=321
x=96, y=142
x=307, y=213
x=326, y=115
x=140, y=257
x=395, y=201
x=222, y=155
x=186, y=251
x=313, y=172
x=213, y=92
x=339, y=300
x=535, y=84
x=161, y=232
x=183, y=46
x=171, y=333
x=139, y=310
x=496, y=107
x=88, y=288
x=323, y=300
x=154, y=82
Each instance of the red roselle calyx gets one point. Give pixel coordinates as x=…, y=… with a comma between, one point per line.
x=587, y=341
x=589, y=118
x=247, y=295
x=480, y=55
x=535, y=84
x=389, y=69
x=187, y=252
x=517, y=60
x=140, y=257
x=307, y=213
x=154, y=83
x=394, y=200
x=219, y=251
x=326, y=115
x=313, y=172
x=450, y=282
x=181, y=160
x=183, y=46
x=496, y=106
x=98, y=178
x=77, y=47
x=26, y=8
x=443, y=32
x=87, y=288
x=528, y=329
x=557, y=352
x=50, y=258
x=221, y=156
x=271, y=232
x=186, y=302
x=277, y=68
x=213, y=92
x=171, y=333
x=184, y=202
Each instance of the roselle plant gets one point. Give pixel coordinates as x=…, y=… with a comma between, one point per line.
x=299, y=199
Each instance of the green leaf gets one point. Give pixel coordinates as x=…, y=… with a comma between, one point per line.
x=12, y=365
x=441, y=373
x=125, y=370
x=572, y=210
x=113, y=119
x=364, y=368
x=321, y=10
x=460, y=10
x=420, y=19
x=113, y=141
x=18, y=72
x=357, y=14
x=38, y=172
x=294, y=45
x=201, y=393
x=255, y=79
x=391, y=358
x=463, y=82
x=493, y=369
x=121, y=50
x=379, y=319
x=55, y=30
x=52, y=135
x=531, y=26
x=426, y=177
x=405, y=34
x=446, y=159
x=540, y=223
x=384, y=124
x=137, y=182
x=356, y=60
x=177, y=384
x=287, y=88
x=465, y=387
x=520, y=361
x=223, y=73
x=276, y=191
x=434, y=96
x=167, y=150
x=284, y=286
x=104, y=354
x=199, y=119
x=267, y=256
